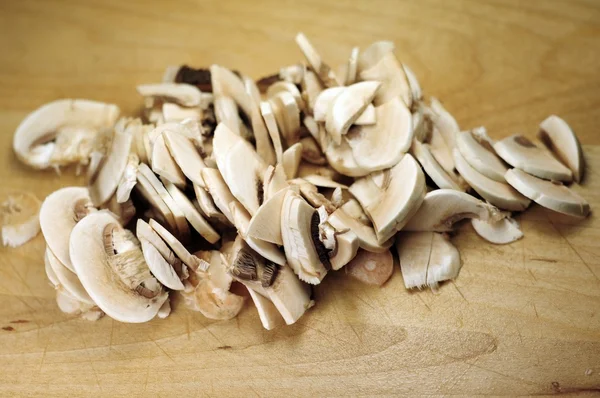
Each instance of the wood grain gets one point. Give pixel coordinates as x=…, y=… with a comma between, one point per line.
x=520, y=319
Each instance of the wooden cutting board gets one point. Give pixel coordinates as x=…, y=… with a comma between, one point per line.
x=520, y=319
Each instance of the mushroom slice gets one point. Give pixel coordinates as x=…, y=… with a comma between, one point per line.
x=549, y=194
x=311, y=88
x=497, y=193
x=311, y=152
x=351, y=69
x=248, y=266
x=52, y=277
x=192, y=215
x=558, y=137
x=124, y=212
x=59, y=213
x=365, y=233
x=426, y=258
x=341, y=159
x=392, y=196
x=266, y=111
x=274, y=181
x=225, y=83
x=267, y=312
x=185, y=155
x=108, y=176
x=443, y=207
x=165, y=310
x=145, y=232
x=312, y=195
x=219, y=191
x=288, y=87
x=160, y=209
x=322, y=181
x=226, y=112
x=163, y=163
x=264, y=148
x=475, y=147
x=111, y=268
x=346, y=247
x=62, y=132
x=180, y=251
x=413, y=84
x=160, y=268
x=323, y=102
x=70, y=305
x=263, y=224
x=291, y=160
x=371, y=268
x=300, y=231
x=367, y=117
x=240, y=166
x=325, y=73
x=385, y=68
x=68, y=279
x=521, y=153
x=444, y=122
x=207, y=206
x=383, y=144
x=19, y=218
x=287, y=115
x=431, y=166
x=348, y=106
x=181, y=93
x=175, y=113
x=128, y=179
x=500, y=232
x=441, y=151
x=293, y=73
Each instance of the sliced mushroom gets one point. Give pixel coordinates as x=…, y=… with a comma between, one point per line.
x=311, y=152
x=341, y=219
x=111, y=268
x=68, y=279
x=475, y=147
x=371, y=268
x=392, y=196
x=267, y=312
x=274, y=181
x=432, y=168
x=183, y=94
x=52, y=277
x=160, y=268
x=521, y=153
x=219, y=191
x=293, y=73
x=351, y=70
x=323, y=102
x=558, y=137
x=128, y=179
x=165, y=310
x=164, y=164
x=288, y=87
x=442, y=208
x=19, y=218
x=500, y=232
x=180, y=251
x=175, y=113
x=413, y=84
x=497, y=193
x=312, y=195
x=62, y=132
x=441, y=151
x=444, y=123
x=263, y=224
x=70, y=305
x=325, y=73
x=346, y=247
x=59, y=213
x=225, y=83
x=341, y=159
x=266, y=110
x=226, y=112
x=549, y=194
x=145, y=232
x=291, y=160
x=264, y=148
x=124, y=212
x=185, y=155
x=368, y=117
x=311, y=88
x=287, y=115
x=160, y=209
x=208, y=208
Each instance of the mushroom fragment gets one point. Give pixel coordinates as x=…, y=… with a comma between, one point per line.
x=478, y=151
x=164, y=164
x=183, y=94
x=432, y=168
x=371, y=268
x=19, y=218
x=267, y=312
x=266, y=111
x=262, y=225
x=291, y=160
x=558, y=137
x=188, y=259
x=325, y=73
x=501, y=232
x=185, y=155
x=128, y=179
x=67, y=279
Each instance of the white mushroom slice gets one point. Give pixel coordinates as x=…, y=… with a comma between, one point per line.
x=264, y=148
x=293, y=73
x=128, y=179
x=263, y=224
x=392, y=196
x=175, y=113
x=72, y=122
x=367, y=117
x=365, y=233
x=267, y=312
x=225, y=83
x=304, y=251
x=165, y=310
x=337, y=197
x=347, y=107
x=371, y=268
x=373, y=53
x=19, y=218
x=68, y=279
x=312, y=127
x=444, y=122
x=287, y=115
x=207, y=206
x=183, y=94
x=422, y=124
x=266, y=111
x=432, y=168
x=111, y=268
x=441, y=151
x=185, y=155
x=382, y=145
x=497, y=193
x=124, y=212
x=70, y=305
x=163, y=163
x=160, y=268
x=387, y=70
x=323, y=102
x=322, y=181
x=311, y=152
x=291, y=160
x=413, y=84
x=341, y=159
x=442, y=208
x=500, y=232
x=145, y=232
x=274, y=181
x=312, y=195
x=59, y=213
x=549, y=194
x=226, y=112
x=50, y=272
x=180, y=251
x=170, y=73
x=240, y=166
x=556, y=134
x=521, y=153
x=288, y=87
x=252, y=90
x=351, y=69
x=160, y=209
x=187, y=128
x=107, y=178
x=346, y=247
x=192, y=215
x=478, y=152
x=325, y=73
x=311, y=88
x=219, y=191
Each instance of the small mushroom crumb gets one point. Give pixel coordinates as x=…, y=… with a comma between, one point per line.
x=272, y=184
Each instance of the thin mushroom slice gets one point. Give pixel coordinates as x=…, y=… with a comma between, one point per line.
x=385, y=68
x=352, y=68
x=267, y=312
x=441, y=151
x=71, y=306
x=311, y=152
x=219, y=191
x=208, y=208
x=175, y=113
x=226, y=112
x=521, y=153
x=432, y=168
x=59, y=213
x=160, y=268
x=291, y=160
x=264, y=148
x=227, y=84
x=266, y=111
x=180, y=251
x=181, y=93
x=413, y=84
x=500, y=232
x=442, y=208
x=165, y=310
x=475, y=147
x=19, y=218
x=392, y=196
x=128, y=179
x=371, y=268
x=323, y=102
x=340, y=219
x=274, y=181
x=311, y=88
x=159, y=207
x=325, y=73
x=74, y=123
x=288, y=87
x=311, y=194
x=444, y=122
x=346, y=247
x=263, y=224
x=111, y=268
x=164, y=164
x=549, y=194
x=497, y=193
x=287, y=115
x=52, y=277
x=185, y=155
x=558, y=137
x=367, y=117
x=68, y=279
x=341, y=159
x=145, y=232
x=124, y=212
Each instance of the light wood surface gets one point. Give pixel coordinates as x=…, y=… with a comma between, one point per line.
x=520, y=319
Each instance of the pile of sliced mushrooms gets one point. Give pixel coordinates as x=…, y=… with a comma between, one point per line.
x=272, y=185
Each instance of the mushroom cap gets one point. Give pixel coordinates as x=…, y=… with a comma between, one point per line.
x=432, y=168
x=480, y=155
x=556, y=134
x=500, y=232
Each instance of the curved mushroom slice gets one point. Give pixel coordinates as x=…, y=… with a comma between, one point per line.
x=497, y=193
x=311, y=88
x=311, y=152
x=475, y=147
x=52, y=277
x=74, y=122
x=68, y=279
x=208, y=208
x=325, y=73
x=382, y=145
x=521, y=153
x=287, y=115
x=432, y=168
x=165, y=310
x=180, y=251
x=219, y=191
x=145, y=232
x=274, y=181
x=226, y=112
x=392, y=196
x=385, y=68
x=186, y=156
x=346, y=107
x=291, y=160
x=267, y=312
x=441, y=151
x=422, y=124
x=367, y=117
x=19, y=218
x=367, y=239
x=128, y=179
x=288, y=87
x=124, y=212
x=371, y=268
x=70, y=305
x=192, y=215
x=163, y=163
x=264, y=148
x=346, y=247
x=323, y=102
x=266, y=110
x=225, y=83
x=558, y=137
x=413, y=84
x=500, y=232
x=444, y=123
x=552, y=195
x=443, y=207
x=322, y=181
x=111, y=268
x=341, y=159
x=159, y=207
x=263, y=224
x=59, y=213
x=181, y=93
x=312, y=195
x=175, y=113
x=300, y=231
x=352, y=68
x=160, y=268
